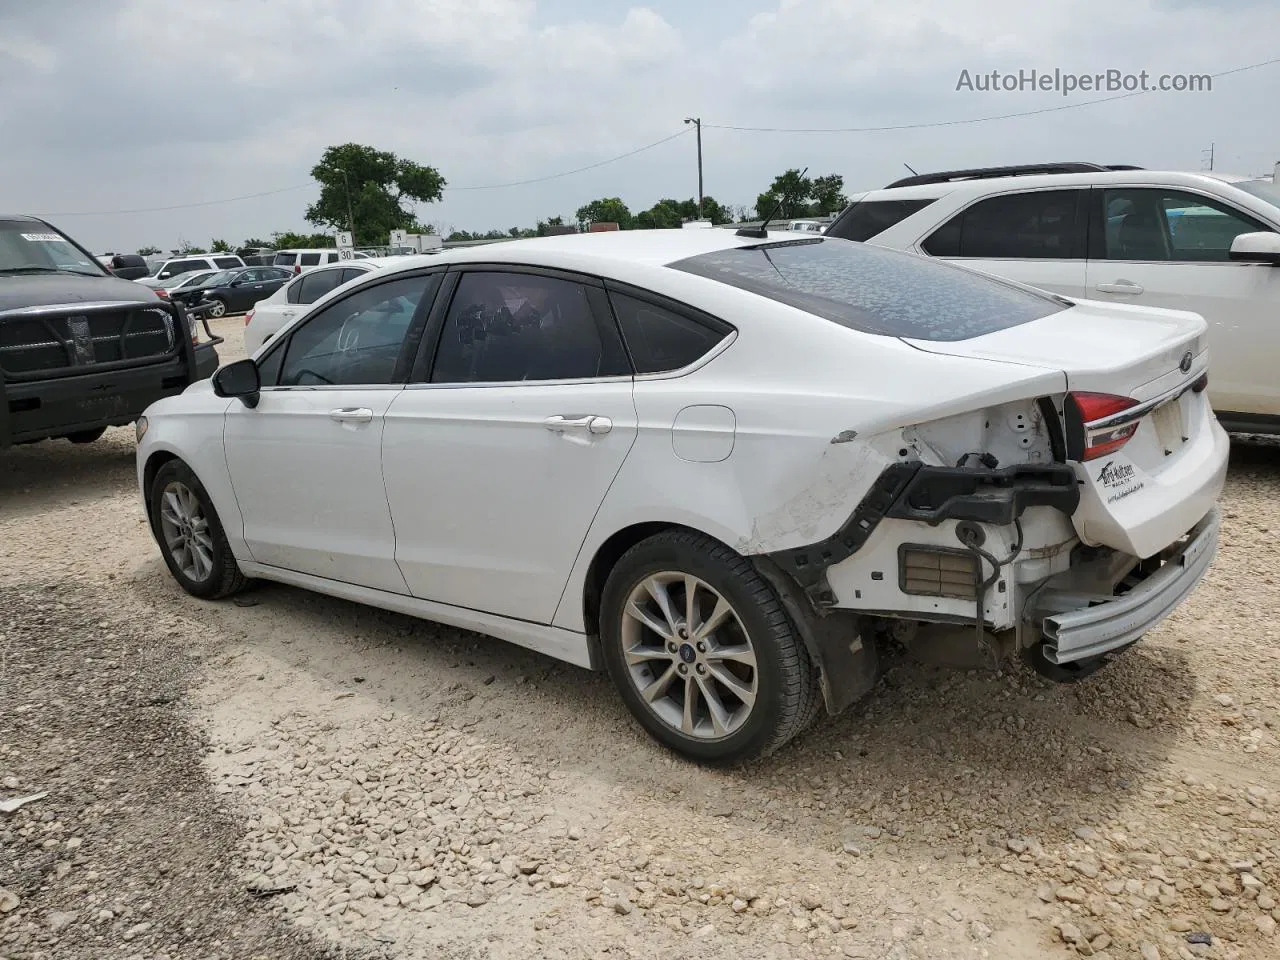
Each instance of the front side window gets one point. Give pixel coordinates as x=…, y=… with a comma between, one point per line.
x=505, y=327
x=867, y=219
x=226, y=262
x=661, y=340
x=875, y=290
x=316, y=284
x=1038, y=225
x=1153, y=224
x=356, y=340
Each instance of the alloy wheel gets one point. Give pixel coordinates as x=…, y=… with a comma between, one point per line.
x=186, y=531
x=688, y=655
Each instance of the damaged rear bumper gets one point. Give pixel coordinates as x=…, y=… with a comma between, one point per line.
x=1078, y=624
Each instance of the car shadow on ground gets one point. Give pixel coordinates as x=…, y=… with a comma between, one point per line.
x=1256, y=455
x=1046, y=756
x=44, y=476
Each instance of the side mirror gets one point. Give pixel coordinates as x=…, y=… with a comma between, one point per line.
x=1257, y=248
x=164, y=276
x=239, y=379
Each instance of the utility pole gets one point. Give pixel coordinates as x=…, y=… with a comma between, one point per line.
x=351, y=217
x=697, y=125
x=1209, y=152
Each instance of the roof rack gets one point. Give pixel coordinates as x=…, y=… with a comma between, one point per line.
x=1022, y=170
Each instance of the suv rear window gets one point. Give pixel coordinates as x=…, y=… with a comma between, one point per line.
x=874, y=290
x=862, y=221
x=227, y=262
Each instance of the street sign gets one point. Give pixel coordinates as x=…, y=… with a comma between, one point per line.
x=345, y=240
x=399, y=238
x=346, y=253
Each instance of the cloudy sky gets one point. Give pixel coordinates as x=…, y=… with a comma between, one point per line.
x=111, y=110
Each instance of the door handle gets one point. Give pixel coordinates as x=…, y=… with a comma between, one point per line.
x=351, y=415
x=1120, y=286
x=587, y=424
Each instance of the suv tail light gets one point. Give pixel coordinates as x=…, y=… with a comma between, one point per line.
x=247, y=317
x=1096, y=425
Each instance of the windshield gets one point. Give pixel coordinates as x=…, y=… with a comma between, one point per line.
x=191, y=279
x=37, y=248
x=219, y=278
x=875, y=290
x=1263, y=190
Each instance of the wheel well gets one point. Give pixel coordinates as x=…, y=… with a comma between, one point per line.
x=606, y=559
x=154, y=463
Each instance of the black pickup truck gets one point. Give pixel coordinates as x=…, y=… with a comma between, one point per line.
x=80, y=349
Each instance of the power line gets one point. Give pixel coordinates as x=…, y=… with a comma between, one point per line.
x=971, y=120
x=303, y=186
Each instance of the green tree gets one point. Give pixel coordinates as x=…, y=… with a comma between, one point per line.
x=605, y=210
x=663, y=215
x=255, y=242
x=188, y=249
x=148, y=251
x=788, y=197
x=220, y=246
x=290, y=240
x=379, y=182
x=828, y=195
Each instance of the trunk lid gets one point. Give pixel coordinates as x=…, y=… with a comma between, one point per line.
x=1136, y=375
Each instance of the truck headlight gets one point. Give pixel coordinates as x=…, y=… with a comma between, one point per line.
x=140, y=428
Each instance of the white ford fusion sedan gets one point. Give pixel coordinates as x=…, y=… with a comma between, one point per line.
x=723, y=466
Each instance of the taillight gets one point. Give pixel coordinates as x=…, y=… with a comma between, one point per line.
x=162, y=293
x=297, y=269
x=247, y=317
x=1201, y=383
x=1095, y=425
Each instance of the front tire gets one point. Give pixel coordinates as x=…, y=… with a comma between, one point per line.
x=190, y=535
x=702, y=651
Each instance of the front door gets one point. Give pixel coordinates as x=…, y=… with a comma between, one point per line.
x=1162, y=247
x=496, y=464
x=306, y=463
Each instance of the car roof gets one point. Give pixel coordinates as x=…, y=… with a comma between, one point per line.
x=20, y=218
x=998, y=184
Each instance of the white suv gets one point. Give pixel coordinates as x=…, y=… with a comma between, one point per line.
x=1202, y=242
x=180, y=265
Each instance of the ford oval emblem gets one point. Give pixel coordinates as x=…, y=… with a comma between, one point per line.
x=1185, y=365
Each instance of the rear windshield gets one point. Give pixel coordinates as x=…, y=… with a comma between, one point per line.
x=285, y=259
x=862, y=221
x=874, y=290
x=32, y=247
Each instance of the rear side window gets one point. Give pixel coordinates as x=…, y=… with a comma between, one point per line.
x=294, y=290
x=862, y=221
x=351, y=273
x=661, y=340
x=309, y=259
x=285, y=259
x=316, y=284
x=874, y=290
x=226, y=263
x=1040, y=225
x=331, y=258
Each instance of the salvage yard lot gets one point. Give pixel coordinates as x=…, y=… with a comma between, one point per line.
x=394, y=788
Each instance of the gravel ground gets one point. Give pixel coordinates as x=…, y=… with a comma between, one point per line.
x=399, y=789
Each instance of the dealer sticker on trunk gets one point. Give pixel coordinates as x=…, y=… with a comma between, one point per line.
x=1119, y=480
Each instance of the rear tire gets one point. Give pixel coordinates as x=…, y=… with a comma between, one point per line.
x=190, y=535
x=723, y=680
x=86, y=436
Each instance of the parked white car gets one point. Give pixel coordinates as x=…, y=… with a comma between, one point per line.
x=300, y=261
x=1204, y=242
x=719, y=465
x=268, y=316
x=168, y=269
x=165, y=288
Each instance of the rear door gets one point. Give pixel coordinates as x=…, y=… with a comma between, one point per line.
x=500, y=452
x=1032, y=236
x=1169, y=247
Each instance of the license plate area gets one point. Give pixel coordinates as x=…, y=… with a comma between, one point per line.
x=1169, y=425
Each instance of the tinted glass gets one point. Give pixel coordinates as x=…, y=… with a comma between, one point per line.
x=351, y=274
x=226, y=262
x=285, y=259
x=331, y=258
x=1021, y=226
x=356, y=340
x=317, y=283
x=309, y=259
x=504, y=327
x=862, y=221
x=184, y=266
x=1154, y=224
x=660, y=340
x=875, y=290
